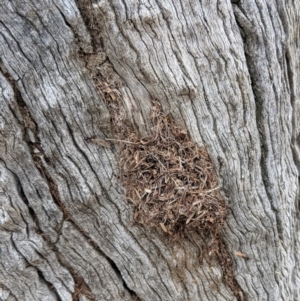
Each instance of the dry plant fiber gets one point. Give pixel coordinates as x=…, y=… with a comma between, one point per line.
x=170, y=181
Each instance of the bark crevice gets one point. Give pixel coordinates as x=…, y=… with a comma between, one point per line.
x=34, y=144
x=250, y=35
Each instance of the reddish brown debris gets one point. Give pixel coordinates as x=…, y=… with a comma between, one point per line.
x=170, y=181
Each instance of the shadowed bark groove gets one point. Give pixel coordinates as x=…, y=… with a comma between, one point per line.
x=225, y=72
x=80, y=286
x=274, y=90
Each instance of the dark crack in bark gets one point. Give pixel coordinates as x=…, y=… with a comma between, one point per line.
x=81, y=288
x=250, y=36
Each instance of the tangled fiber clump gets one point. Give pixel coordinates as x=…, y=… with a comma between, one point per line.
x=170, y=181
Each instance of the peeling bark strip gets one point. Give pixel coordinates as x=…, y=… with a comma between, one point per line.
x=226, y=72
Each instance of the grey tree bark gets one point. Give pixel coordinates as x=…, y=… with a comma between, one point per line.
x=226, y=71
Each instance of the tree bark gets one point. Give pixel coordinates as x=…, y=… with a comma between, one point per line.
x=226, y=71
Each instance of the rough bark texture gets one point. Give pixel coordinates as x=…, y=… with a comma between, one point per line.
x=228, y=72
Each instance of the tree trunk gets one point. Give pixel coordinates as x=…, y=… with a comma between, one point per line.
x=227, y=72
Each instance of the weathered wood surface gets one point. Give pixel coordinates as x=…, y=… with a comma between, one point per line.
x=228, y=72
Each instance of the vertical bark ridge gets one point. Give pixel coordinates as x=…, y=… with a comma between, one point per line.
x=81, y=288
x=42, y=230
x=35, y=145
x=274, y=100
x=289, y=14
x=25, y=255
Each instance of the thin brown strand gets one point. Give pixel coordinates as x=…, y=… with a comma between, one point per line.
x=170, y=181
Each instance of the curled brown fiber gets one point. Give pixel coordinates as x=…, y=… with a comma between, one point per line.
x=170, y=181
